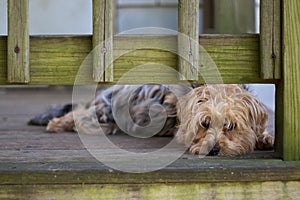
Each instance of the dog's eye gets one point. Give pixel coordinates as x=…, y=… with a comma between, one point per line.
x=230, y=126
x=202, y=100
x=205, y=124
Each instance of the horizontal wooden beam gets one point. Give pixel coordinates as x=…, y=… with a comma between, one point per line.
x=206, y=170
x=55, y=60
x=289, y=190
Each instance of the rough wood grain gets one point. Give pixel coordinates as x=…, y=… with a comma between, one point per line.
x=222, y=191
x=103, y=18
x=109, y=34
x=98, y=39
x=270, y=39
x=90, y=171
x=277, y=43
x=291, y=81
x=18, y=42
x=56, y=60
x=188, y=39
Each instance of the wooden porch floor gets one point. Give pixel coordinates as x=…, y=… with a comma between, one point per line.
x=23, y=143
x=57, y=163
x=24, y=147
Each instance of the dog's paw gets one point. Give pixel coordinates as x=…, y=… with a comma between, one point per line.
x=265, y=141
x=65, y=123
x=199, y=149
x=55, y=126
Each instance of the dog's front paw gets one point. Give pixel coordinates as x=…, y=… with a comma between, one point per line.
x=200, y=148
x=265, y=141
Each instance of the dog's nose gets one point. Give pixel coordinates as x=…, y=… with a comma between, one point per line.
x=215, y=151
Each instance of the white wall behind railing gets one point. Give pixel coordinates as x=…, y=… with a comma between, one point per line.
x=75, y=16
x=3, y=17
x=54, y=17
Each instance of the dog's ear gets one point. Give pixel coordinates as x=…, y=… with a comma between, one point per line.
x=257, y=113
x=258, y=118
x=186, y=110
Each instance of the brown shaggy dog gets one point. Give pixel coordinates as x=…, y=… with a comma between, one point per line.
x=224, y=120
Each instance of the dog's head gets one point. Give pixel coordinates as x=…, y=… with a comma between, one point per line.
x=223, y=120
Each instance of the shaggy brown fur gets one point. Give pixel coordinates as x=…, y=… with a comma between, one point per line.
x=224, y=116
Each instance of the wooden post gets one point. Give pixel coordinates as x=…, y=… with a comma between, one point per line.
x=270, y=39
x=103, y=18
x=18, y=42
x=291, y=80
x=188, y=38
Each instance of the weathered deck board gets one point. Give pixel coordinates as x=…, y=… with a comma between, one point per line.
x=257, y=190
